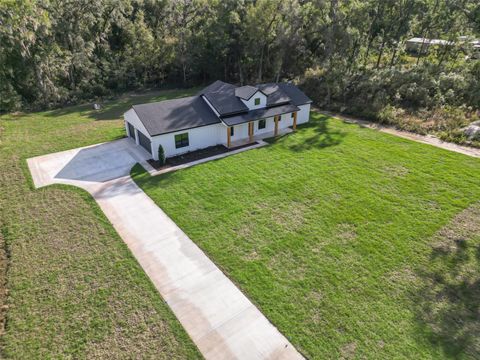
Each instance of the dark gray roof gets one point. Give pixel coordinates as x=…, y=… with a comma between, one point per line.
x=245, y=92
x=190, y=112
x=225, y=101
x=295, y=94
x=259, y=114
x=216, y=86
x=275, y=95
x=174, y=115
x=225, y=98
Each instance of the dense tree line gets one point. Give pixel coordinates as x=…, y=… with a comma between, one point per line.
x=348, y=53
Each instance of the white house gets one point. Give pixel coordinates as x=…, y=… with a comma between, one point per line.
x=416, y=45
x=220, y=114
x=422, y=44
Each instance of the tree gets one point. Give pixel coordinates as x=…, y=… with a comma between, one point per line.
x=55, y=52
x=161, y=155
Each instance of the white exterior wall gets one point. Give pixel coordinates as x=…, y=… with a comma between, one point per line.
x=285, y=121
x=240, y=132
x=211, y=135
x=198, y=138
x=251, y=102
x=131, y=117
x=269, y=127
x=303, y=114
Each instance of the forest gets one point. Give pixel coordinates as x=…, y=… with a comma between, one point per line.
x=348, y=55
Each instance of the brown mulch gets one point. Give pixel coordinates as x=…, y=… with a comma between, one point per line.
x=195, y=155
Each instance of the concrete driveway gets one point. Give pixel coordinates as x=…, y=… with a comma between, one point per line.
x=88, y=166
x=222, y=322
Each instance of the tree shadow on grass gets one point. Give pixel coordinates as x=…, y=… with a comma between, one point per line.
x=448, y=304
x=318, y=134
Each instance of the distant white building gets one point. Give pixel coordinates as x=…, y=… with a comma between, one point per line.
x=220, y=114
x=417, y=44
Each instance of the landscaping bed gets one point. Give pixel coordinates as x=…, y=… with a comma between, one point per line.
x=195, y=156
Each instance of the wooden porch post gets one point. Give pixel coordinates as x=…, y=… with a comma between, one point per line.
x=295, y=120
x=276, y=125
x=250, y=131
x=229, y=140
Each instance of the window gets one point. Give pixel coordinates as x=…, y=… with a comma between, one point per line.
x=262, y=124
x=181, y=140
x=293, y=115
x=257, y=101
x=232, y=131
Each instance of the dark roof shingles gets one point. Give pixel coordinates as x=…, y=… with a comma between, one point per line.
x=225, y=102
x=295, y=94
x=216, y=86
x=259, y=114
x=190, y=112
x=174, y=115
x=245, y=92
x=275, y=95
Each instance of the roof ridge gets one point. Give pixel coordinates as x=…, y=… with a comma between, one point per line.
x=166, y=100
x=172, y=115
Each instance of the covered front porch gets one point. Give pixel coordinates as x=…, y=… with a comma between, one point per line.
x=251, y=131
x=261, y=136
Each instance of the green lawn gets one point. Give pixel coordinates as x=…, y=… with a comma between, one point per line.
x=352, y=242
x=75, y=290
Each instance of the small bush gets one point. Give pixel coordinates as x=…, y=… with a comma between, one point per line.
x=459, y=137
x=10, y=100
x=161, y=155
x=390, y=115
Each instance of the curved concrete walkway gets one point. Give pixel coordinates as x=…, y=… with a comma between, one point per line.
x=222, y=322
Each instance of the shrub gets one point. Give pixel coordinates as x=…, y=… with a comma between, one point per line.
x=10, y=100
x=390, y=115
x=161, y=155
x=458, y=136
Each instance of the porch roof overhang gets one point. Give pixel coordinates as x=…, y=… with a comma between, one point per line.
x=258, y=114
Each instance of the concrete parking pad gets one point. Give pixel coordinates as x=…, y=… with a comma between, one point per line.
x=222, y=322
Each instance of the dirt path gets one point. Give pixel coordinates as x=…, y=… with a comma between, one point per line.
x=425, y=139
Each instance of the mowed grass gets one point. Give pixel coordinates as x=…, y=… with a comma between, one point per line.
x=74, y=289
x=354, y=243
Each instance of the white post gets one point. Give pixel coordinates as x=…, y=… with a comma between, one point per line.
x=136, y=137
x=127, y=129
x=153, y=151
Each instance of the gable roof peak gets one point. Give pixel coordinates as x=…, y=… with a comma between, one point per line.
x=245, y=92
x=216, y=87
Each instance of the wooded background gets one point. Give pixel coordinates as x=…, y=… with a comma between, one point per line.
x=346, y=54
